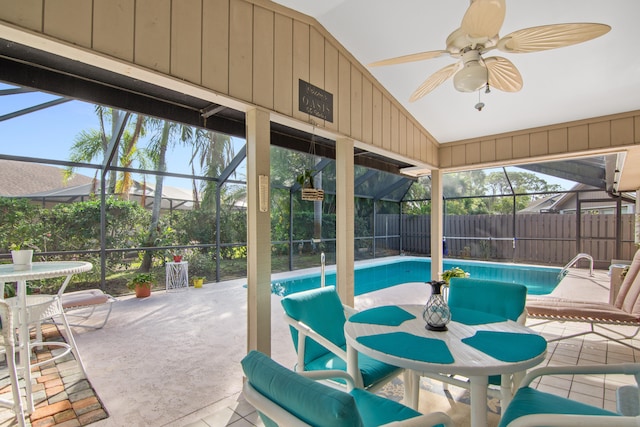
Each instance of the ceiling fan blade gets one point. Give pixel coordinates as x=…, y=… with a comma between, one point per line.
x=435, y=80
x=484, y=18
x=552, y=36
x=409, y=58
x=503, y=75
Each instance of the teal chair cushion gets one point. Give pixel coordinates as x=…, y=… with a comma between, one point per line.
x=321, y=310
x=474, y=317
x=529, y=401
x=376, y=410
x=311, y=401
x=372, y=370
x=488, y=296
x=474, y=301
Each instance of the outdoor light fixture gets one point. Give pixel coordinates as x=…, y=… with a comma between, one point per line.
x=473, y=75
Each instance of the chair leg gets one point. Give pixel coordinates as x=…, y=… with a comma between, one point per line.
x=72, y=342
x=9, y=345
x=18, y=409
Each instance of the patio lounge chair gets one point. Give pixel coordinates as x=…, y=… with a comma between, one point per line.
x=316, y=318
x=531, y=407
x=285, y=398
x=89, y=299
x=487, y=301
x=625, y=311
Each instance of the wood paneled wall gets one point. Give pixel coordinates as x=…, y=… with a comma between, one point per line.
x=581, y=137
x=254, y=51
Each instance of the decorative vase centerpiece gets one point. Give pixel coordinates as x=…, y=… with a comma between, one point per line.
x=436, y=312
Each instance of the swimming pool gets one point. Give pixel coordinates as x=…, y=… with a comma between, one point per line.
x=380, y=275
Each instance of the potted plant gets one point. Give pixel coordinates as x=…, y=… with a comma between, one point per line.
x=197, y=281
x=141, y=283
x=453, y=272
x=21, y=257
x=177, y=258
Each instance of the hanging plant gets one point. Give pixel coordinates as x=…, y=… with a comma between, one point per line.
x=305, y=179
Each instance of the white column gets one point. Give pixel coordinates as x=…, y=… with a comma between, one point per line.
x=258, y=232
x=437, y=222
x=345, y=220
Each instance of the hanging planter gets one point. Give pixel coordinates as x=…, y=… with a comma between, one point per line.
x=309, y=193
x=312, y=194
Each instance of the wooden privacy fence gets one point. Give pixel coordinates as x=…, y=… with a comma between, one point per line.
x=546, y=238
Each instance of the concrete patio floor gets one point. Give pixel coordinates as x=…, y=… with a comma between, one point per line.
x=174, y=359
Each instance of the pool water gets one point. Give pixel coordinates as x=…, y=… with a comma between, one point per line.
x=373, y=277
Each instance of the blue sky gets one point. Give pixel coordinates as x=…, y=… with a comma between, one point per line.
x=50, y=133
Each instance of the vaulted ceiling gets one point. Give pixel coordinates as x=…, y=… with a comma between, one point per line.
x=595, y=78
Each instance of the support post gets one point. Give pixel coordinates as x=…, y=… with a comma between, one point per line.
x=345, y=220
x=258, y=232
x=437, y=223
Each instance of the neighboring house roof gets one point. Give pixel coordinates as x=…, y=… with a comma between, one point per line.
x=566, y=202
x=33, y=180
x=22, y=178
x=544, y=204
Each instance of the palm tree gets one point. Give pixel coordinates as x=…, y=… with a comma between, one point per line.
x=215, y=152
x=92, y=145
x=129, y=153
x=157, y=152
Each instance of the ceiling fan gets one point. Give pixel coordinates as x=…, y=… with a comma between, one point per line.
x=478, y=34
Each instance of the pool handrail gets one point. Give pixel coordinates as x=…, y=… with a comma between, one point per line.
x=574, y=260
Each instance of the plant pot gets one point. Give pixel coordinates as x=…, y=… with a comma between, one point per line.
x=197, y=283
x=22, y=259
x=177, y=258
x=143, y=291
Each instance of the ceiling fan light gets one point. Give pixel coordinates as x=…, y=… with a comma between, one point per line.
x=471, y=78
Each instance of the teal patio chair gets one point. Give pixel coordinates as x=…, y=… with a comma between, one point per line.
x=289, y=399
x=531, y=407
x=486, y=301
x=316, y=318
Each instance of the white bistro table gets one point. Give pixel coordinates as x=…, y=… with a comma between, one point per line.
x=30, y=309
x=442, y=352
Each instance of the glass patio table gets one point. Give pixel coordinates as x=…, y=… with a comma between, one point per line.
x=29, y=309
x=475, y=349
